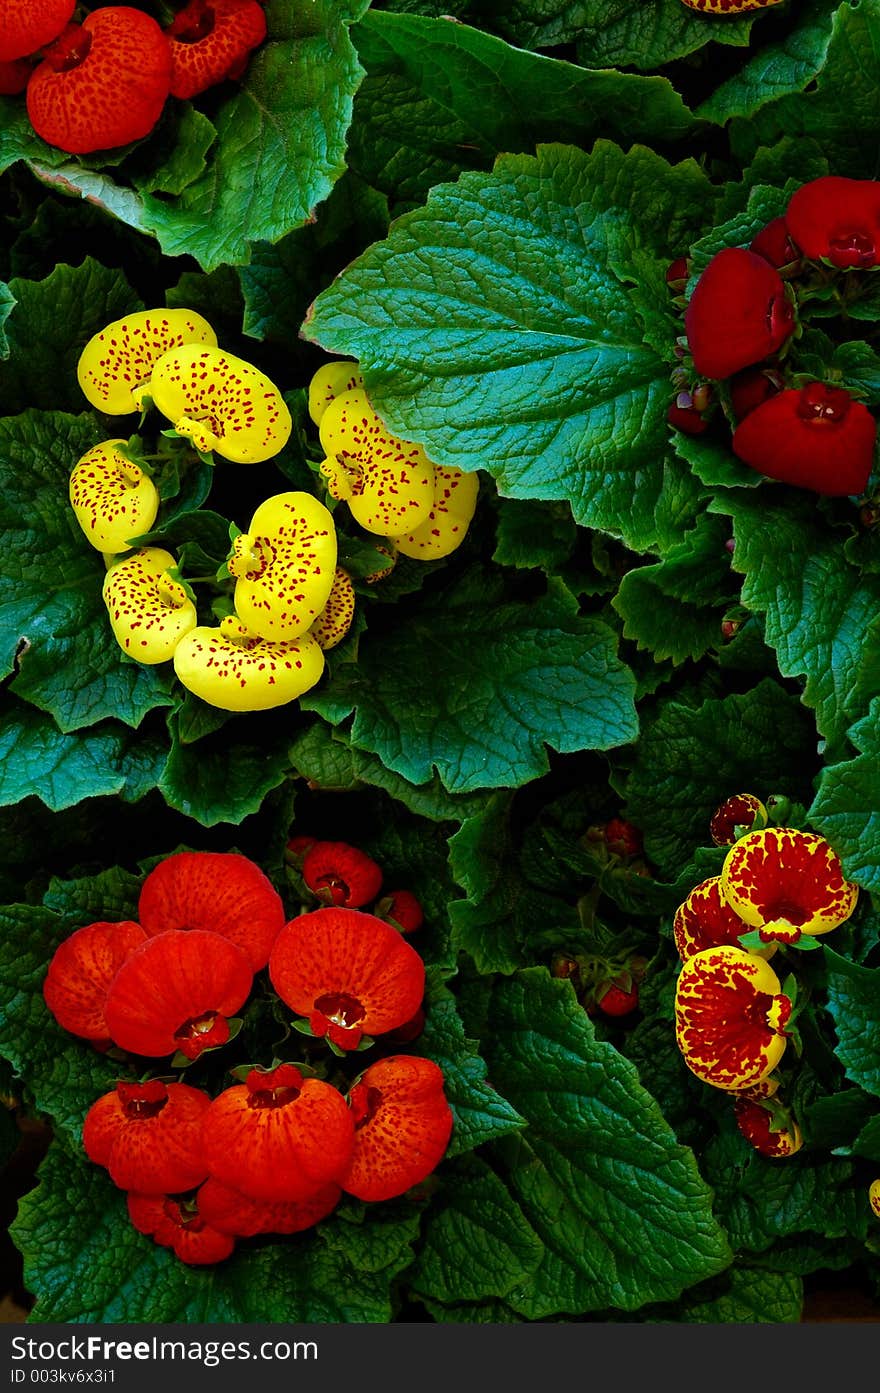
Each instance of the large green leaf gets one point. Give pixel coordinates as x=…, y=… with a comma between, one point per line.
x=845, y=809
x=743, y=1295
x=226, y=775
x=854, y=1003
x=504, y=325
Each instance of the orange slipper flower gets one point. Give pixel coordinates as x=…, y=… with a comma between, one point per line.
x=14, y=76
x=210, y=41
x=112, y=498
x=444, y=529
x=235, y=669
x=178, y=1224
x=335, y=619
x=740, y=811
x=115, y=366
x=231, y=1212
x=388, y=483
x=284, y=566
x=329, y=382
x=220, y=403
x=402, y=1127
x=349, y=972
x=771, y=1130
x=786, y=883
x=730, y=1017
x=341, y=874
x=27, y=25
x=218, y=891
x=150, y=610
x=149, y=1136
x=706, y=920
x=80, y=974
x=176, y=993
x=277, y=1136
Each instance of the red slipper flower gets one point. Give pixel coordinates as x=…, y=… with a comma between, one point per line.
x=178, y=1223
x=402, y=1127
x=739, y=811
x=402, y=909
x=341, y=874
x=231, y=1212
x=80, y=974
x=771, y=1130
x=26, y=25
x=210, y=41
x=149, y=1136
x=730, y=1017
x=349, y=972
x=738, y=314
x=14, y=76
x=837, y=220
x=786, y=883
x=215, y=890
x=176, y=992
x=774, y=243
x=816, y=438
x=749, y=388
x=706, y=920
x=278, y=1136
x=101, y=84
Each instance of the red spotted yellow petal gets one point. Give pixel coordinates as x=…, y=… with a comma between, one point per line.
x=149, y=609
x=455, y=499
x=730, y=1014
x=729, y=7
x=874, y=1197
x=115, y=365
x=706, y=920
x=234, y=669
x=388, y=483
x=113, y=499
x=334, y=622
x=786, y=883
x=328, y=383
x=221, y=403
x=284, y=564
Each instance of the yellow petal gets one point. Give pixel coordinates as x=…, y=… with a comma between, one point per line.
x=334, y=622
x=115, y=366
x=444, y=529
x=786, y=883
x=285, y=564
x=329, y=382
x=388, y=483
x=113, y=499
x=149, y=611
x=730, y=1017
x=221, y=403
x=235, y=670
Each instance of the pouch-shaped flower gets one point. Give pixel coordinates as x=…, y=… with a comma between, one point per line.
x=115, y=366
x=112, y=498
x=837, y=220
x=706, y=920
x=340, y=874
x=786, y=883
x=335, y=619
x=220, y=403
x=402, y=1127
x=284, y=566
x=177, y=1223
x=444, y=529
x=816, y=437
x=210, y=41
x=232, y=1212
x=80, y=974
x=729, y=7
x=14, y=76
x=738, y=811
x=329, y=382
x=730, y=1017
x=771, y=1129
x=739, y=313
x=388, y=483
x=149, y=1136
x=234, y=669
x=149, y=609
x=219, y=891
x=28, y=25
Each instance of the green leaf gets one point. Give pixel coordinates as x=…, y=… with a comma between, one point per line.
x=620, y=1207
x=500, y=326
x=187, y=140
x=867, y=1143
x=691, y=758
x=280, y=140
x=226, y=774
x=507, y=680
x=846, y=803
x=7, y=305
x=102, y=190
x=854, y=1004
x=55, y=631
x=713, y=461
x=745, y=1295
x=534, y=534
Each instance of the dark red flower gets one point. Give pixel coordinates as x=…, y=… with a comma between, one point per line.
x=771, y=1130
x=686, y=419
x=26, y=25
x=623, y=838
x=402, y=1127
x=102, y=83
x=232, y=1212
x=178, y=1223
x=298, y=847
x=149, y=1136
x=677, y=273
x=81, y=972
x=774, y=243
x=751, y=387
x=837, y=220
x=402, y=909
x=278, y=1136
x=738, y=811
x=176, y=992
x=617, y=999
x=349, y=972
x=341, y=874
x=817, y=438
x=738, y=314
x=219, y=891
x=210, y=41
x=14, y=76
x=706, y=920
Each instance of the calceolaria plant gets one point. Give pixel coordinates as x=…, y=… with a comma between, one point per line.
x=440, y=594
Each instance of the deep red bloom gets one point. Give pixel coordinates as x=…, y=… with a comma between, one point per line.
x=14, y=76
x=297, y=848
x=738, y=314
x=751, y=387
x=677, y=273
x=341, y=874
x=615, y=1000
x=176, y=992
x=149, y=1136
x=785, y=883
x=232, y=1212
x=26, y=25
x=210, y=41
x=278, y=1136
x=402, y=1126
x=837, y=220
x=772, y=1131
x=774, y=243
x=81, y=972
x=220, y=891
x=740, y=810
x=349, y=972
x=178, y=1223
x=706, y=920
x=687, y=419
x=403, y=909
x=623, y=838
x=817, y=438
x=102, y=83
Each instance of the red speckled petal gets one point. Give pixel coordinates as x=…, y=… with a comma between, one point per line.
x=28, y=25
x=219, y=891
x=156, y=1154
x=342, y=874
x=771, y=1131
x=739, y=811
x=729, y=1017
x=729, y=7
x=706, y=920
x=781, y=879
x=212, y=41
x=81, y=972
x=406, y=1129
x=175, y=1225
x=232, y=1212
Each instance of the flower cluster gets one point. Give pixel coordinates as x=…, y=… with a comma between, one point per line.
x=104, y=83
x=274, y=1151
x=745, y=314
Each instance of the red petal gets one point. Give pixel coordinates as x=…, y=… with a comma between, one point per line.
x=838, y=219
x=169, y=1223
x=341, y=874
x=81, y=972
x=829, y=453
x=738, y=314
x=774, y=244
x=751, y=387
x=26, y=25
x=231, y=1212
x=404, y=1130
x=211, y=42
x=220, y=891
x=159, y=1152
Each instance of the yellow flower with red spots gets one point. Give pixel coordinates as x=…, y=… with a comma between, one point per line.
x=706, y=920
x=112, y=498
x=335, y=620
x=284, y=566
x=150, y=610
x=388, y=483
x=874, y=1197
x=730, y=1017
x=769, y=1127
x=455, y=500
x=786, y=883
x=234, y=669
x=115, y=366
x=220, y=403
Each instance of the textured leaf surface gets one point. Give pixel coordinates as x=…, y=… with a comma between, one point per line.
x=854, y=1003
x=846, y=808
x=745, y=1295
x=225, y=776
x=778, y=69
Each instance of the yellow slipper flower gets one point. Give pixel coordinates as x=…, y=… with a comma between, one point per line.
x=115, y=366
x=221, y=403
x=730, y=1017
x=284, y=565
x=328, y=383
x=444, y=529
x=388, y=483
x=150, y=610
x=112, y=498
x=334, y=622
x=234, y=669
